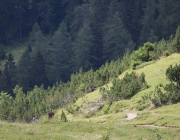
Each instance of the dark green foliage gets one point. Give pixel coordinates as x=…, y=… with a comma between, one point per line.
x=142, y=54
x=127, y=87
x=36, y=39
x=62, y=53
x=24, y=70
x=158, y=98
x=163, y=48
x=173, y=74
x=23, y=107
x=157, y=19
x=38, y=71
x=163, y=95
x=176, y=40
x=90, y=35
x=81, y=48
x=132, y=12
x=170, y=93
x=116, y=38
x=82, y=15
x=96, y=49
x=2, y=52
x=96, y=26
x=8, y=75
x=4, y=96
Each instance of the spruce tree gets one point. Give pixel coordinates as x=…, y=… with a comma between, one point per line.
x=176, y=40
x=116, y=38
x=9, y=75
x=81, y=47
x=24, y=70
x=38, y=73
x=62, y=53
x=96, y=25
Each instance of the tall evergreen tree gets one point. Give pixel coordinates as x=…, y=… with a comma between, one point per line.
x=82, y=15
x=116, y=38
x=36, y=39
x=148, y=22
x=24, y=71
x=7, y=26
x=82, y=44
x=70, y=5
x=62, y=52
x=132, y=13
x=9, y=75
x=38, y=74
x=176, y=40
x=96, y=25
x=45, y=15
x=21, y=8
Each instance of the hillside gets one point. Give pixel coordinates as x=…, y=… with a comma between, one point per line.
x=151, y=123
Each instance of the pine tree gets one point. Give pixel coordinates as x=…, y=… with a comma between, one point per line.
x=62, y=53
x=148, y=22
x=176, y=40
x=131, y=13
x=37, y=39
x=24, y=70
x=82, y=15
x=38, y=74
x=96, y=26
x=82, y=44
x=116, y=38
x=9, y=74
x=173, y=74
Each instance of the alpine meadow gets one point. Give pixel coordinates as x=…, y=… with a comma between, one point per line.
x=90, y=69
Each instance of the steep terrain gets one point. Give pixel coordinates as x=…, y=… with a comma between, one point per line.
x=120, y=121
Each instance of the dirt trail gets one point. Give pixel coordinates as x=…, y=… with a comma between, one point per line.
x=131, y=116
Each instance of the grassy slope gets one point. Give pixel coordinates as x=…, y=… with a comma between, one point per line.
x=162, y=122
x=16, y=50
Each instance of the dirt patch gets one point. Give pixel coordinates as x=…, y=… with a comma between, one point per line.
x=150, y=125
x=131, y=116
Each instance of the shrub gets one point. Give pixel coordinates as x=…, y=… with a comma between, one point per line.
x=142, y=54
x=105, y=134
x=127, y=87
x=63, y=117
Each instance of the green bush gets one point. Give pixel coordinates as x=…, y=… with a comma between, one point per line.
x=142, y=104
x=106, y=109
x=142, y=54
x=63, y=117
x=166, y=53
x=127, y=87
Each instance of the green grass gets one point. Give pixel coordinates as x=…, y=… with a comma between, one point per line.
x=150, y=124
x=84, y=130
